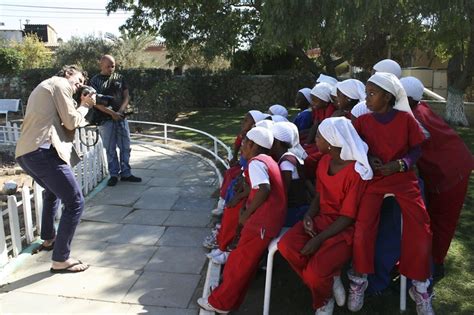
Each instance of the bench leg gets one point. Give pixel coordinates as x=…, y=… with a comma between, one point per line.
x=268, y=279
x=403, y=293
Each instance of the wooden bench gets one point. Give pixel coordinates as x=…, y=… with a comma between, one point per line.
x=9, y=105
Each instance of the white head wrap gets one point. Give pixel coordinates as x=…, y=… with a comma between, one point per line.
x=352, y=88
x=388, y=65
x=322, y=91
x=278, y=109
x=278, y=118
x=288, y=132
x=391, y=84
x=360, y=109
x=326, y=79
x=261, y=136
x=334, y=90
x=266, y=123
x=256, y=115
x=413, y=87
x=307, y=94
x=339, y=132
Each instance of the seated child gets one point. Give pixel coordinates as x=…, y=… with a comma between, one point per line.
x=318, y=247
x=261, y=219
x=303, y=120
x=349, y=93
x=278, y=109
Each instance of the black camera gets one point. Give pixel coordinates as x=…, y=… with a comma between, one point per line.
x=100, y=99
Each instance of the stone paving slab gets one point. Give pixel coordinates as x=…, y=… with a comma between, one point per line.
x=163, y=289
x=94, y=231
x=183, y=236
x=85, y=250
x=138, y=234
x=198, y=181
x=133, y=257
x=157, y=198
x=191, y=203
x=188, y=218
x=105, y=213
x=120, y=195
x=147, y=217
x=165, y=181
x=177, y=260
x=155, y=310
x=197, y=191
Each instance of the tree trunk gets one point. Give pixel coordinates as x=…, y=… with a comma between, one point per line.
x=308, y=63
x=454, y=111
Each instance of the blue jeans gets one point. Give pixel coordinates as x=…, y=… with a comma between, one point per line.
x=57, y=179
x=117, y=134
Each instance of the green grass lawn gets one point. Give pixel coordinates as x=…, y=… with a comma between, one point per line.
x=454, y=293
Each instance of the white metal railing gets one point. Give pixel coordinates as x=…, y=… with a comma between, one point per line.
x=216, y=144
x=89, y=172
x=9, y=133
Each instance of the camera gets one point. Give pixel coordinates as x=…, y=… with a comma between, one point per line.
x=100, y=99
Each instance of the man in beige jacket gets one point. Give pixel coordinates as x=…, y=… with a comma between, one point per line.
x=46, y=152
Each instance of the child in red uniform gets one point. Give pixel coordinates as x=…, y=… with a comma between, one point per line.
x=321, y=244
x=445, y=165
x=262, y=219
x=349, y=93
x=394, y=138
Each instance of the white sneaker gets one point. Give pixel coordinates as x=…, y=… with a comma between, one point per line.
x=221, y=259
x=220, y=207
x=422, y=300
x=204, y=304
x=355, y=300
x=210, y=242
x=213, y=253
x=338, y=291
x=326, y=309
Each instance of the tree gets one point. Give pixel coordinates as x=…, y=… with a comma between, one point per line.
x=450, y=29
x=128, y=49
x=84, y=51
x=34, y=52
x=11, y=61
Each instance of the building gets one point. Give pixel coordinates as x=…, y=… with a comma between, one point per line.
x=11, y=35
x=45, y=32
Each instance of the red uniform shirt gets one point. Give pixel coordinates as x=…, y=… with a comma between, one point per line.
x=339, y=194
x=445, y=159
x=320, y=114
x=389, y=141
x=269, y=218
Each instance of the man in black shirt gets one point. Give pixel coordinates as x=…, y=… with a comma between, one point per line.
x=114, y=129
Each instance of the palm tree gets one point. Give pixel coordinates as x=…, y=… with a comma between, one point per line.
x=129, y=49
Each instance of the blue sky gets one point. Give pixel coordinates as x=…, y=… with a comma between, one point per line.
x=79, y=18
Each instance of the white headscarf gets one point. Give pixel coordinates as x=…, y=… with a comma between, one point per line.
x=388, y=65
x=340, y=133
x=327, y=79
x=334, y=90
x=307, y=93
x=256, y=115
x=352, y=88
x=391, y=84
x=261, y=136
x=278, y=118
x=322, y=91
x=360, y=109
x=266, y=123
x=288, y=132
x=413, y=87
x=278, y=109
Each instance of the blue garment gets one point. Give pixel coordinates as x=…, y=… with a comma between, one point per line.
x=57, y=179
x=304, y=120
x=294, y=215
x=117, y=134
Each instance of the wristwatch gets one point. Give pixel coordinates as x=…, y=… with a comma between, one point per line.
x=402, y=166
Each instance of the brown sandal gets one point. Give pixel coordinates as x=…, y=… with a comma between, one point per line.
x=42, y=248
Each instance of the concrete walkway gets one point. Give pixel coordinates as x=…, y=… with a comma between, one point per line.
x=143, y=242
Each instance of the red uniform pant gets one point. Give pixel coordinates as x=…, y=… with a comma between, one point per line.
x=239, y=271
x=317, y=270
x=229, y=175
x=230, y=221
x=444, y=209
x=416, y=234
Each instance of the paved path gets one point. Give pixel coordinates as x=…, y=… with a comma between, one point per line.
x=143, y=242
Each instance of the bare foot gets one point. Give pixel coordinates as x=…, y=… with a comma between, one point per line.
x=70, y=265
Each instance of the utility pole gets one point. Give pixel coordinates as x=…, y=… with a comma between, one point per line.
x=20, y=25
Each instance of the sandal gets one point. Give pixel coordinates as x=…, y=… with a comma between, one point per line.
x=42, y=248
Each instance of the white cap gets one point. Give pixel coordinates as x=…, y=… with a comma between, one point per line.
x=322, y=91
x=288, y=132
x=360, y=109
x=261, y=136
x=352, y=88
x=266, y=123
x=307, y=93
x=391, y=84
x=278, y=109
x=388, y=65
x=413, y=87
x=326, y=79
x=257, y=115
x=334, y=90
x=278, y=118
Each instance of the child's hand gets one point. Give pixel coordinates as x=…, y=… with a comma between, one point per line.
x=375, y=162
x=308, y=226
x=311, y=246
x=390, y=168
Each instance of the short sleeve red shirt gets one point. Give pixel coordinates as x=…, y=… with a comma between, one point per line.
x=323, y=113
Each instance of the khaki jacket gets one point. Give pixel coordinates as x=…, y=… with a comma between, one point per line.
x=51, y=114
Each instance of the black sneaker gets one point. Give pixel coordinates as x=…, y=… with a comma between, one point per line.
x=112, y=181
x=131, y=178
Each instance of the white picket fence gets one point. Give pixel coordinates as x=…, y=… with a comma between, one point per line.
x=9, y=133
x=17, y=233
